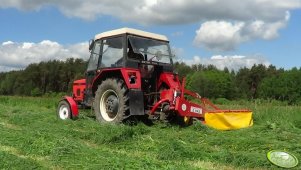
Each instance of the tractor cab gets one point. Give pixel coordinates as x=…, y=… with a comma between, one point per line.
x=128, y=48
x=147, y=53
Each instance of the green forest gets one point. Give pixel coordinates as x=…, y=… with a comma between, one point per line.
x=44, y=78
x=259, y=82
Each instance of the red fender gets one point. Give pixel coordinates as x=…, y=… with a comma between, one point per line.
x=73, y=105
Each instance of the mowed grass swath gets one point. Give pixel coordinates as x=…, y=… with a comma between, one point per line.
x=33, y=137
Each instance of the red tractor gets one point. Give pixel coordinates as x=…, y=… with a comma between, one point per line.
x=130, y=73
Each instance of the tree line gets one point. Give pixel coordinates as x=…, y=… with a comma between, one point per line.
x=42, y=78
x=257, y=82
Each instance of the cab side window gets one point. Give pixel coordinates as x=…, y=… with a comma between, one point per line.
x=112, y=52
x=95, y=54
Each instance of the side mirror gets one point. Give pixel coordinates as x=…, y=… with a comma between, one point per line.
x=91, y=44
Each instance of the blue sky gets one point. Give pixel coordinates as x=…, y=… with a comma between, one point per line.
x=247, y=33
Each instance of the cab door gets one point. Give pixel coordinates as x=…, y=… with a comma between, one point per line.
x=91, y=72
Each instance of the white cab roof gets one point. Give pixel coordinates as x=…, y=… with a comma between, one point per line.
x=131, y=31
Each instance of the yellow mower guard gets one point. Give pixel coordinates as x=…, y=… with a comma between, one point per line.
x=228, y=120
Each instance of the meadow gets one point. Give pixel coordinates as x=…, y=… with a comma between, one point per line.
x=32, y=137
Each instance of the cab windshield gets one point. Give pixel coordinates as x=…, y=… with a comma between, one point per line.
x=150, y=49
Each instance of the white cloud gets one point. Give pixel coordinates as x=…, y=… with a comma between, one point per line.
x=226, y=36
x=164, y=12
x=234, y=62
x=226, y=24
x=219, y=35
x=7, y=43
x=15, y=56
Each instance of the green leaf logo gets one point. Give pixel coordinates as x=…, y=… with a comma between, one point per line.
x=282, y=159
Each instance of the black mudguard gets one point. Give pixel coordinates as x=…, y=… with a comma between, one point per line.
x=136, y=102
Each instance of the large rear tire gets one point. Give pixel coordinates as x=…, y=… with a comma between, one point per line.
x=111, y=101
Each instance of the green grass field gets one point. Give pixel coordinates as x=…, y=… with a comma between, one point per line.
x=31, y=137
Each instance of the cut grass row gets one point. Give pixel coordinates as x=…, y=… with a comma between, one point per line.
x=32, y=137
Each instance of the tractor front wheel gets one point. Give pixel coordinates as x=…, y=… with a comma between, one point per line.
x=110, y=104
x=63, y=110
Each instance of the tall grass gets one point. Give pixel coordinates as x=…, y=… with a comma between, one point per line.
x=33, y=137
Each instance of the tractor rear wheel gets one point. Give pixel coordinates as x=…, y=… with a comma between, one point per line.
x=63, y=110
x=111, y=100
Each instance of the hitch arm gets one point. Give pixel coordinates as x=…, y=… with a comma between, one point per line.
x=157, y=105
